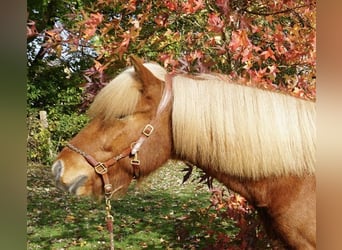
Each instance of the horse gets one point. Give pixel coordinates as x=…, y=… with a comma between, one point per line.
x=257, y=142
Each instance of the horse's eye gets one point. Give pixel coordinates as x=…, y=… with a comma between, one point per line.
x=122, y=117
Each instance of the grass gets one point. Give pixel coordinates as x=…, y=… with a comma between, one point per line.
x=161, y=213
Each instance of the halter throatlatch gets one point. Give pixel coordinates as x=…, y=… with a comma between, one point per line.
x=101, y=168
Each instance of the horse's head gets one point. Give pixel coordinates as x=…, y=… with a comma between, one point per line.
x=128, y=135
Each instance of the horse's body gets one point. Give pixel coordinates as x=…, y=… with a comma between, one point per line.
x=258, y=143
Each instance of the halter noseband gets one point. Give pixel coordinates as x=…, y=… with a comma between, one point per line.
x=101, y=168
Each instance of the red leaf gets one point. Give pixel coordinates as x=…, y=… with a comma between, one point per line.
x=91, y=24
x=246, y=55
x=192, y=6
x=171, y=5
x=239, y=39
x=268, y=54
x=215, y=23
x=224, y=6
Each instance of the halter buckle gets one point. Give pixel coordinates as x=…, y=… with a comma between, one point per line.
x=135, y=161
x=101, y=168
x=147, y=131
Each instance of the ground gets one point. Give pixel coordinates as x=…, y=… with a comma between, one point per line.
x=162, y=213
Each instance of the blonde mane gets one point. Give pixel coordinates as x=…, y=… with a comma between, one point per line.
x=241, y=130
x=120, y=97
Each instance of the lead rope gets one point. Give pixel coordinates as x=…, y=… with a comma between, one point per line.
x=110, y=221
x=110, y=217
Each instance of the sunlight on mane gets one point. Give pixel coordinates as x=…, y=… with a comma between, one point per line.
x=241, y=130
x=120, y=97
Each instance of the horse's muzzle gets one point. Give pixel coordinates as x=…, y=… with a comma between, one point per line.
x=58, y=170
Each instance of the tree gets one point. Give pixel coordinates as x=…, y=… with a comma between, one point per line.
x=76, y=47
x=55, y=74
x=54, y=68
x=270, y=44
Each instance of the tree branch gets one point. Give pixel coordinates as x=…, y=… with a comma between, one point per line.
x=273, y=13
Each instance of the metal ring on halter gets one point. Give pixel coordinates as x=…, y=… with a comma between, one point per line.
x=101, y=168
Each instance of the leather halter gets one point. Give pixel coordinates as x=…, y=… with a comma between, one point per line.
x=101, y=168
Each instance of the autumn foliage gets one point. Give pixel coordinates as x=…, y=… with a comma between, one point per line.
x=251, y=234
x=270, y=44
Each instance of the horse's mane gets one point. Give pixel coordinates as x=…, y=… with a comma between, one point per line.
x=242, y=130
x=120, y=96
x=235, y=129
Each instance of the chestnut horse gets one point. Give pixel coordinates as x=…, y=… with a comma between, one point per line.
x=259, y=143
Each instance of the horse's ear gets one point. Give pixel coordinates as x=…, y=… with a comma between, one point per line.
x=137, y=63
x=144, y=74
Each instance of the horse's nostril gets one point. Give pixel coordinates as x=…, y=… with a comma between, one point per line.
x=79, y=181
x=57, y=169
